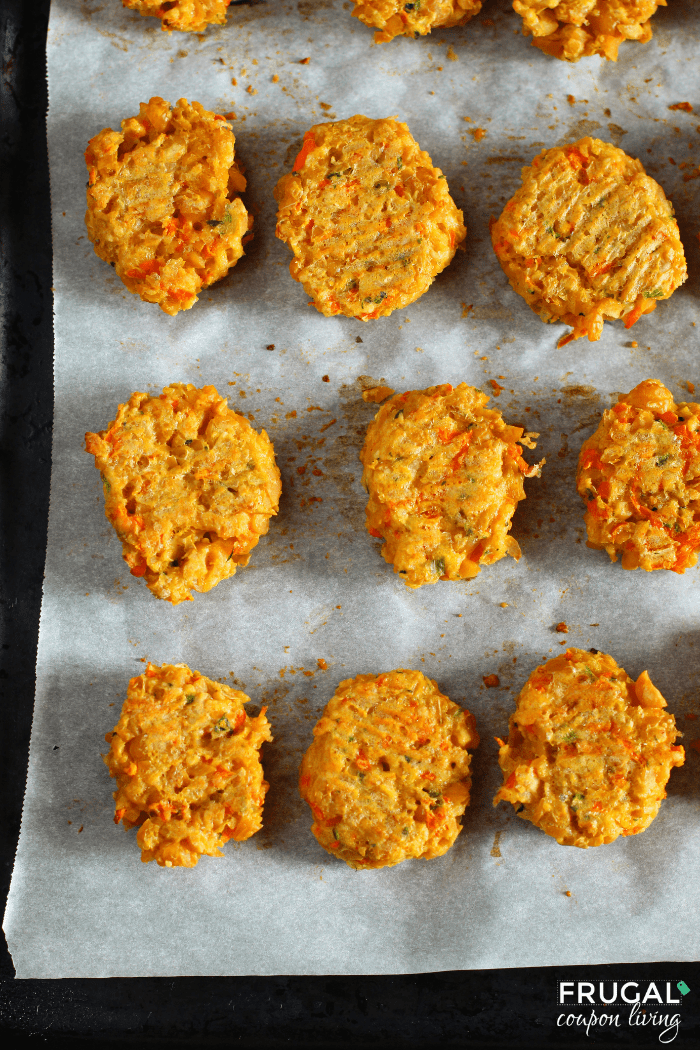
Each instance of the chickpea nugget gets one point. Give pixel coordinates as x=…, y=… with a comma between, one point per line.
x=574, y=30
x=392, y=18
x=369, y=219
x=190, y=16
x=589, y=235
x=186, y=758
x=189, y=486
x=639, y=475
x=589, y=751
x=387, y=776
x=444, y=476
x=163, y=204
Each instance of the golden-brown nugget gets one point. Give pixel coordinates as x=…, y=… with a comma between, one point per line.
x=589, y=235
x=444, y=475
x=186, y=758
x=369, y=219
x=639, y=475
x=393, y=18
x=163, y=204
x=191, y=16
x=189, y=487
x=573, y=29
x=387, y=776
x=589, y=751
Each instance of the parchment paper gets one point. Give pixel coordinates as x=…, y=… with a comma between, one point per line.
x=82, y=903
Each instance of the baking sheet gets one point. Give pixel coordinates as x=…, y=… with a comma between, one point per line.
x=81, y=903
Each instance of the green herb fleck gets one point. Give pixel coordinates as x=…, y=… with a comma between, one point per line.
x=189, y=698
x=222, y=726
x=439, y=564
x=656, y=294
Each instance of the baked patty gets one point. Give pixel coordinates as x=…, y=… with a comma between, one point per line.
x=369, y=219
x=189, y=487
x=387, y=776
x=589, y=750
x=589, y=236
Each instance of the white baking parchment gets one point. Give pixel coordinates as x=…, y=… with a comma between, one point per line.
x=82, y=904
